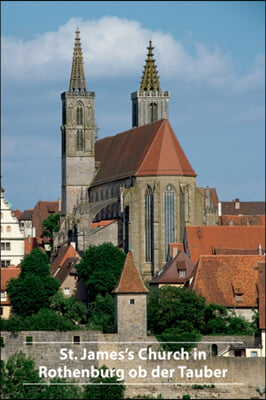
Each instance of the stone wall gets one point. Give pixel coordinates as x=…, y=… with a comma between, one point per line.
x=238, y=377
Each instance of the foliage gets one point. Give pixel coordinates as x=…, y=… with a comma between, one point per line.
x=63, y=392
x=100, y=268
x=18, y=370
x=32, y=290
x=69, y=307
x=175, y=307
x=50, y=225
x=219, y=321
x=103, y=314
x=178, y=335
x=45, y=319
x=115, y=391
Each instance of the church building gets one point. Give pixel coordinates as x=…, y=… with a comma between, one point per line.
x=140, y=182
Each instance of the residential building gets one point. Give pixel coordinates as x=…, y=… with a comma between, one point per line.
x=12, y=239
x=6, y=274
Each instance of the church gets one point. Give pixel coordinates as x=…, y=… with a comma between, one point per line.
x=136, y=189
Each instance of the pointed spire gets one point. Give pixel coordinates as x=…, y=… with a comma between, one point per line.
x=150, y=78
x=130, y=280
x=77, y=80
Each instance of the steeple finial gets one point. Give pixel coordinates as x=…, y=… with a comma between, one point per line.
x=150, y=78
x=77, y=80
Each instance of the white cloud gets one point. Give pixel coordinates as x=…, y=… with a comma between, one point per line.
x=115, y=47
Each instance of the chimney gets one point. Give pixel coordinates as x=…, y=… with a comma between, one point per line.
x=59, y=205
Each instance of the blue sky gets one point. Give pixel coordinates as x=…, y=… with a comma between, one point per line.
x=210, y=56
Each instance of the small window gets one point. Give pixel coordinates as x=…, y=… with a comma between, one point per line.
x=3, y=295
x=8, y=228
x=76, y=340
x=29, y=340
x=239, y=297
x=66, y=290
x=182, y=273
x=254, y=354
x=5, y=263
x=132, y=301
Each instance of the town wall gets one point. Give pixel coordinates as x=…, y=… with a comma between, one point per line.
x=243, y=377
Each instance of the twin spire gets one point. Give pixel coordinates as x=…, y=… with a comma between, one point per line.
x=150, y=78
x=149, y=82
x=77, y=81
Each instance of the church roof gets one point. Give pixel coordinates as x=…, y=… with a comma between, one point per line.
x=148, y=150
x=150, y=78
x=130, y=280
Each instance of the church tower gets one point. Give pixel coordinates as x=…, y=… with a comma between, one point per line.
x=78, y=133
x=150, y=103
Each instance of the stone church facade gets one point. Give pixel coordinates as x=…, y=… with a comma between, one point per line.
x=139, y=180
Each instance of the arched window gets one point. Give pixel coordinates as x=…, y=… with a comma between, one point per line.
x=153, y=112
x=79, y=114
x=149, y=225
x=169, y=218
x=80, y=140
x=8, y=228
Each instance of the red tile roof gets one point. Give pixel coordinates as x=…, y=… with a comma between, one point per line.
x=169, y=274
x=17, y=213
x=8, y=273
x=64, y=253
x=202, y=240
x=26, y=215
x=5, y=275
x=261, y=288
x=174, y=248
x=148, y=150
x=31, y=243
x=130, y=280
x=245, y=207
x=241, y=220
x=41, y=212
x=220, y=278
x=101, y=223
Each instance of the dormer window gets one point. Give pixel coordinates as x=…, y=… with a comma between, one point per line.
x=239, y=297
x=182, y=273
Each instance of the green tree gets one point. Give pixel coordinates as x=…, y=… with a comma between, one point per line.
x=103, y=314
x=50, y=225
x=115, y=391
x=20, y=370
x=100, y=268
x=69, y=307
x=58, y=390
x=32, y=290
x=44, y=319
x=175, y=307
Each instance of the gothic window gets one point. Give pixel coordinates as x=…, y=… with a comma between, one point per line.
x=153, y=112
x=169, y=218
x=127, y=229
x=80, y=140
x=63, y=142
x=149, y=224
x=79, y=114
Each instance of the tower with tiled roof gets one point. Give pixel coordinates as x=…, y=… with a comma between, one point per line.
x=150, y=103
x=131, y=306
x=78, y=133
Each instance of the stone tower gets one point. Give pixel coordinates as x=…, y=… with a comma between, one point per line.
x=131, y=303
x=78, y=133
x=150, y=103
